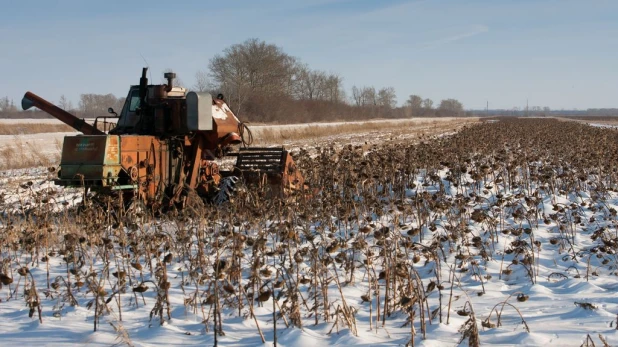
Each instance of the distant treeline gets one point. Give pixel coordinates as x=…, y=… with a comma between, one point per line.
x=274, y=110
x=261, y=83
x=90, y=106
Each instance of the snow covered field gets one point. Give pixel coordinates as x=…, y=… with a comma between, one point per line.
x=445, y=236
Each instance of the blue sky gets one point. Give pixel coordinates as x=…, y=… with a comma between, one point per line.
x=556, y=53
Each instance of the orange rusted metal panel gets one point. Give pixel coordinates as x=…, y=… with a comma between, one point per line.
x=112, y=150
x=292, y=178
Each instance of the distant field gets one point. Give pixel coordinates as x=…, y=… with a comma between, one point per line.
x=31, y=126
x=29, y=121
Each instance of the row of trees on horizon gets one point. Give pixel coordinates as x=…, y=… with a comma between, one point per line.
x=261, y=83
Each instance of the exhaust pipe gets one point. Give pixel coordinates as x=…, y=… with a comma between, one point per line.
x=170, y=80
x=143, y=86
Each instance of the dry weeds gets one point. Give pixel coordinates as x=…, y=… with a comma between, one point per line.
x=266, y=135
x=406, y=222
x=20, y=154
x=33, y=128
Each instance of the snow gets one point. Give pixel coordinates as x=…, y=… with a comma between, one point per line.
x=555, y=312
x=598, y=125
x=45, y=142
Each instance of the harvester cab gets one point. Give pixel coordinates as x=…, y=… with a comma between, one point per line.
x=167, y=142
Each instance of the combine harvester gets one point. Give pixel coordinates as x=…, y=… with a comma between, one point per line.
x=166, y=144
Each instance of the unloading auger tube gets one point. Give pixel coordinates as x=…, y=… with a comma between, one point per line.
x=30, y=99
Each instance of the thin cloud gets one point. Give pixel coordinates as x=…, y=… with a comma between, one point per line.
x=353, y=7
x=476, y=30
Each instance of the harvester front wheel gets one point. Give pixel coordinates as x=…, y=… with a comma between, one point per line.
x=225, y=191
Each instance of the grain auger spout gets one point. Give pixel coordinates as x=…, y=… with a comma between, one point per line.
x=30, y=99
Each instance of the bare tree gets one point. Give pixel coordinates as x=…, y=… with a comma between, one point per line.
x=201, y=81
x=368, y=96
x=451, y=107
x=536, y=110
x=387, y=97
x=427, y=104
x=252, y=68
x=334, y=88
x=94, y=105
x=365, y=96
x=415, y=102
x=64, y=103
x=7, y=105
x=414, y=105
x=311, y=84
x=231, y=75
x=515, y=110
x=357, y=96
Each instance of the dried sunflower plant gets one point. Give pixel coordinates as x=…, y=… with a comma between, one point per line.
x=395, y=236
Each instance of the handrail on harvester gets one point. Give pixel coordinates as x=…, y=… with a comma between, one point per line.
x=30, y=99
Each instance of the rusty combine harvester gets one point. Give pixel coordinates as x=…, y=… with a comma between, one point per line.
x=167, y=142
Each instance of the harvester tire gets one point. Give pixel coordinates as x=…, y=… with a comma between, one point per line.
x=227, y=187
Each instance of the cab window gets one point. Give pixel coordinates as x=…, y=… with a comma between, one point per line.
x=134, y=102
x=128, y=118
